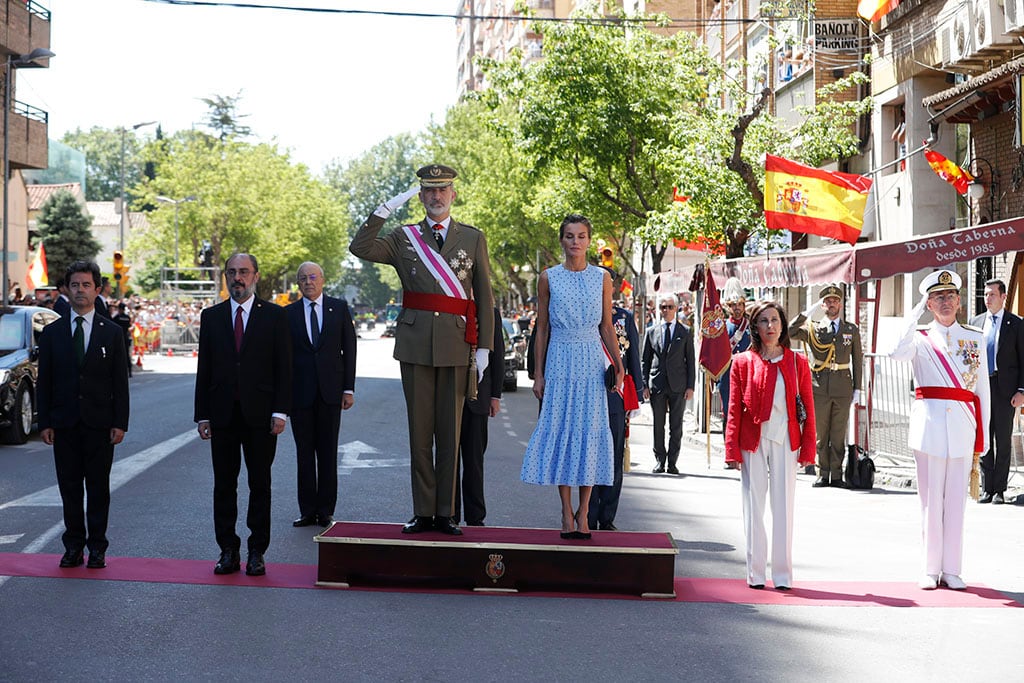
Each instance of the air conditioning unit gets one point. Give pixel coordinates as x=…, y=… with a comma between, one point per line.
x=990, y=24
x=1013, y=16
x=957, y=36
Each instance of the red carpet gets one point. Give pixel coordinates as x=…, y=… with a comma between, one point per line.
x=732, y=591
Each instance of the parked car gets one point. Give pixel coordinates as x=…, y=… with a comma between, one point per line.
x=518, y=341
x=511, y=380
x=19, y=367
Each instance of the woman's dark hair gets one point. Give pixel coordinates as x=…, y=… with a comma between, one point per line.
x=575, y=218
x=755, y=340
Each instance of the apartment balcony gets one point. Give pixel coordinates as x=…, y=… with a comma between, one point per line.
x=27, y=128
x=24, y=26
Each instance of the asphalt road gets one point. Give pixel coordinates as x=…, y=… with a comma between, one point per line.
x=113, y=630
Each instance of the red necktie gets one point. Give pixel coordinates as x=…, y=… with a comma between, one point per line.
x=239, y=329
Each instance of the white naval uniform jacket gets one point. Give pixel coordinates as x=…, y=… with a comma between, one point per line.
x=940, y=427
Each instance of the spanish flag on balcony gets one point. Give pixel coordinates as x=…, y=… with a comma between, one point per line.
x=800, y=198
x=873, y=10
x=948, y=171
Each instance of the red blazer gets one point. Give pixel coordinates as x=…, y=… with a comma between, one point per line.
x=751, y=388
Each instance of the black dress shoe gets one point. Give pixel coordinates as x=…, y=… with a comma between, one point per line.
x=672, y=469
x=809, y=469
x=608, y=526
x=838, y=484
x=254, y=565
x=658, y=469
x=819, y=483
x=756, y=586
x=305, y=520
x=418, y=525
x=230, y=561
x=580, y=535
x=446, y=526
x=475, y=523
x=985, y=498
x=72, y=558
x=324, y=520
x=97, y=560
x=997, y=499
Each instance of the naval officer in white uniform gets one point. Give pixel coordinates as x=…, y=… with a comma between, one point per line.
x=948, y=421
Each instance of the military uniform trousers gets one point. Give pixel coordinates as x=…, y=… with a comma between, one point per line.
x=434, y=399
x=941, y=487
x=833, y=394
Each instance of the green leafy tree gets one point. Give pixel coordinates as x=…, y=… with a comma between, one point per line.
x=224, y=118
x=63, y=226
x=249, y=197
x=102, y=149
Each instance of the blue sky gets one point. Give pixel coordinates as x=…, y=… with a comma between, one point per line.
x=325, y=86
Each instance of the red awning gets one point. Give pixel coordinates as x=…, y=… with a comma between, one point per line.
x=874, y=260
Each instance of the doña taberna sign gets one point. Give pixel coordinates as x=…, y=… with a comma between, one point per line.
x=837, y=34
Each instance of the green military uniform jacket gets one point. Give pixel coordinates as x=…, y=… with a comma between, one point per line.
x=837, y=361
x=429, y=337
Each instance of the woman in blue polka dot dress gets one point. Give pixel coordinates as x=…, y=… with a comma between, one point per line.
x=572, y=444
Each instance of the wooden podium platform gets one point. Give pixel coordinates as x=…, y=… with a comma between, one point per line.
x=497, y=559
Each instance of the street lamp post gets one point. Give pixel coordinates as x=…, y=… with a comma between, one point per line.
x=13, y=62
x=176, y=202
x=124, y=209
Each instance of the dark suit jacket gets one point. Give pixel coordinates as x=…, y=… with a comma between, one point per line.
x=260, y=376
x=674, y=363
x=629, y=348
x=494, y=376
x=1009, y=353
x=95, y=394
x=62, y=306
x=328, y=371
x=102, y=307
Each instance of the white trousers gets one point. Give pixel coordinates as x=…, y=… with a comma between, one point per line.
x=942, y=489
x=772, y=467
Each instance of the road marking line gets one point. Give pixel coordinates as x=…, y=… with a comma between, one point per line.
x=123, y=471
x=10, y=538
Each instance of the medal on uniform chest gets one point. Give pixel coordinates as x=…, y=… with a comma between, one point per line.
x=847, y=339
x=970, y=356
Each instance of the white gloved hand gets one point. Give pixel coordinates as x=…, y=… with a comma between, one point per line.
x=483, y=359
x=856, y=397
x=919, y=309
x=815, y=305
x=391, y=205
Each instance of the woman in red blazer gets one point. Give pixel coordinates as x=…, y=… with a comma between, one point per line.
x=767, y=440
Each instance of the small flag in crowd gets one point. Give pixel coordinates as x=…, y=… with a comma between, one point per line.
x=873, y=10
x=801, y=198
x=715, y=350
x=676, y=197
x=626, y=288
x=948, y=171
x=37, y=275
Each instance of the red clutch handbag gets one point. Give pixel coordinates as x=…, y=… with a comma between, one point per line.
x=630, y=400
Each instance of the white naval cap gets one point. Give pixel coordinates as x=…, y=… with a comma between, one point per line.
x=939, y=281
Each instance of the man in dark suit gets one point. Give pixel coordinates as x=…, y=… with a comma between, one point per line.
x=473, y=442
x=102, y=298
x=604, y=500
x=243, y=395
x=669, y=376
x=82, y=396
x=323, y=384
x=445, y=273
x=62, y=305
x=1004, y=345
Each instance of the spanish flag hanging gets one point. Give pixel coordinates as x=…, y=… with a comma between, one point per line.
x=800, y=198
x=873, y=10
x=948, y=171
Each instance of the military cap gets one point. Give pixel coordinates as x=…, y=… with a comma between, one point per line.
x=830, y=290
x=436, y=175
x=939, y=281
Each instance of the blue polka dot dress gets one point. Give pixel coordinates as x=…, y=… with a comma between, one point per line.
x=572, y=442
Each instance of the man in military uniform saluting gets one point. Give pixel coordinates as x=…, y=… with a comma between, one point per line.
x=445, y=273
x=836, y=359
x=948, y=421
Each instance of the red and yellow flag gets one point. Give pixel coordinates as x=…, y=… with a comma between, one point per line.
x=37, y=275
x=800, y=198
x=626, y=288
x=948, y=171
x=715, y=349
x=873, y=10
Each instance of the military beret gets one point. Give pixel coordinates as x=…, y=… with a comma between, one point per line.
x=436, y=175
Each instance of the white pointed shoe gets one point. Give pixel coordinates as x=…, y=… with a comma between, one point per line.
x=928, y=582
x=953, y=582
